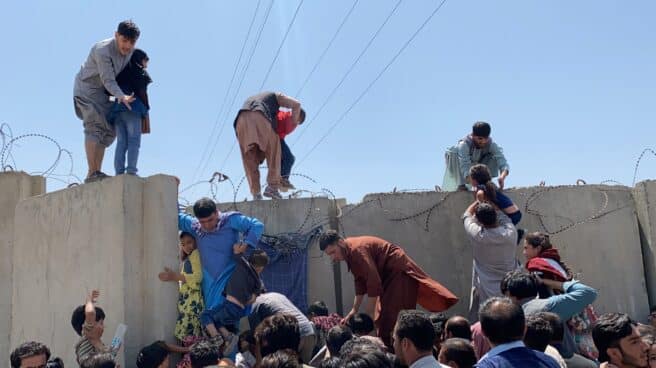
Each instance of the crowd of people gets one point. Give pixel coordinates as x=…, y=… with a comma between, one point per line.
x=534, y=313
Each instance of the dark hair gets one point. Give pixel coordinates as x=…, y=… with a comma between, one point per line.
x=129, y=30
x=367, y=359
x=278, y=332
x=481, y=174
x=286, y=358
x=332, y=362
x=78, y=317
x=26, y=350
x=138, y=56
x=55, y=362
x=417, y=327
x=302, y=117
x=538, y=333
x=336, y=337
x=330, y=237
x=458, y=326
x=318, y=308
x=258, y=258
x=100, y=360
x=247, y=336
x=609, y=330
x=519, y=284
x=183, y=255
x=153, y=355
x=481, y=129
x=540, y=239
x=459, y=351
x=486, y=214
x=204, y=207
x=652, y=309
x=361, y=324
x=502, y=321
x=204, y=353
x=438, y=319
x=557, y=328
x=358, y=345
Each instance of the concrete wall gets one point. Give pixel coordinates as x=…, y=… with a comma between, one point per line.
x=606, y=252
x=115, y=235
x=596, y=230
x=644, y=195
x=14, y=186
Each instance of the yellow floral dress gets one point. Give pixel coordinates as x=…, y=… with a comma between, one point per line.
x=190, y=301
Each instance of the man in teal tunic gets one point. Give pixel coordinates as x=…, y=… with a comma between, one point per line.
x=475, y=148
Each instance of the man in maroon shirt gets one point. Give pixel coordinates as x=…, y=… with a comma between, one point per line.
x=391, y=280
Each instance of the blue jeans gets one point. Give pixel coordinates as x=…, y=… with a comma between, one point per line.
x=287, y=160
x=128, y=140
x=225, y=315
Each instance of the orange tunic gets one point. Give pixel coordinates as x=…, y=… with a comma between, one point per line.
x=382, y=269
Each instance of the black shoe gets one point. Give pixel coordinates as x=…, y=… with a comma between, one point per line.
x=96, y=176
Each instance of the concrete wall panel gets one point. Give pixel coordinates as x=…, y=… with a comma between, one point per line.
x=608, y=245
x=14, y=186
x=645, y=198
x=94, y=236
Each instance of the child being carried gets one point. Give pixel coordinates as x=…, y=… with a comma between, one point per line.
x=241, y=290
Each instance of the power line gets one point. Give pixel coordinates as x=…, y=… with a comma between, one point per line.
x=289, y=27
x=314, y=68
x=405, y=45
x=225, y=99
x=243, y=76
x=348, y=72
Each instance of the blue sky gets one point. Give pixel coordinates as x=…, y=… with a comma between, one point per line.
x=568, y=86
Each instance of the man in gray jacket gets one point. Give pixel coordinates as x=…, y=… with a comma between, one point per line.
x=494, y=242
x=94, y=83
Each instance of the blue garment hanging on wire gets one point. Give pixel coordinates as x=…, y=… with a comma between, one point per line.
x=286, y=272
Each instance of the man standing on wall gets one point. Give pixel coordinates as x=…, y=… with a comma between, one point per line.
x=475, y=148
x=93, y=82
x=391, y=280
x=256, y=126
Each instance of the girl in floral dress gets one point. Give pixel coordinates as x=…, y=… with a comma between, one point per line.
x=190, y=301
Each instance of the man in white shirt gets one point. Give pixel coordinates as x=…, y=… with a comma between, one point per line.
x=413, y=340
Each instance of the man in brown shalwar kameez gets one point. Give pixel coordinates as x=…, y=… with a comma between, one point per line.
x=255, y=126
x=390, y=278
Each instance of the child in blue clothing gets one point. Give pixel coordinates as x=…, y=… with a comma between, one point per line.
x=486, y=191
x=129, y=123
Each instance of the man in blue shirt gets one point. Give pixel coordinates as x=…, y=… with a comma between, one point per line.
x=503, y=323
x=215, y=234
x=522, y=288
